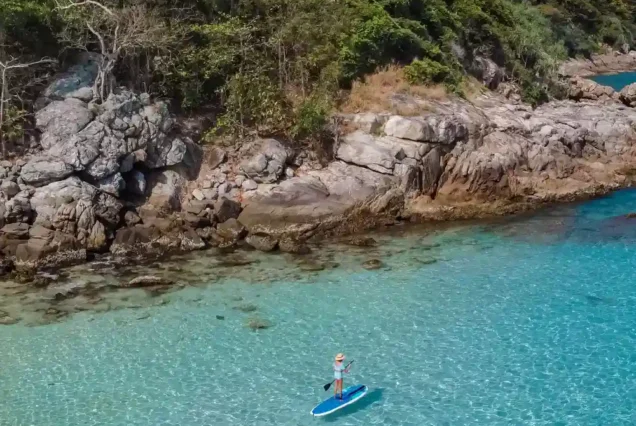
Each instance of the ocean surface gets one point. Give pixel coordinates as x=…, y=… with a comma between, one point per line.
x=530, y=321
x=616, y=81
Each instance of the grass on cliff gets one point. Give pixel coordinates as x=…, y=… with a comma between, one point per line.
x=376, y=93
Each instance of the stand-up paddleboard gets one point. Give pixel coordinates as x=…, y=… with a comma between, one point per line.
x=349, y=396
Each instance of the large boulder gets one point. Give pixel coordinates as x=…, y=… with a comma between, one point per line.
x=166, y=190
x=47, y=199
x=582, y=88
x=262, y=242
x=231, y=230
x=128, y=129
x=18, y=209
x=267, y=161
x=299, y=205
x=628, y=95
x=487, y=71
x=226, y=209
x=77, y=82
x=57, y=250
x=60, y=120
x=435, y=128
x=44, y=169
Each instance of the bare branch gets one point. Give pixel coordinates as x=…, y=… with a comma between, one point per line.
x=9, y=65
x=83, y=3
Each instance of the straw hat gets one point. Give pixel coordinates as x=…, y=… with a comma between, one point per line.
x=340, y=357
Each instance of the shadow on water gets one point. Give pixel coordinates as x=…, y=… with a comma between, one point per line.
x=369, y=399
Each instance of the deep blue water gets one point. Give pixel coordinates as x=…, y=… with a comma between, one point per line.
x=616, y=81
x=525, y=322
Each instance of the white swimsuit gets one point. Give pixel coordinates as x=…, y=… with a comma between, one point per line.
x=337, y=370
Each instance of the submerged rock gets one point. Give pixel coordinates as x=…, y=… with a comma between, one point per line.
x=294, y=246
x=147, y=281
x=373, y=264
x=248, y=307
x=361, y=241
x=258, y=324
x=262, y=242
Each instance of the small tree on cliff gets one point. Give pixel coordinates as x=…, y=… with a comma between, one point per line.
x=115, y=32
x=12, y=82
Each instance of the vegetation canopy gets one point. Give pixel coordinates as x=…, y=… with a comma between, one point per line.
x=281, y=66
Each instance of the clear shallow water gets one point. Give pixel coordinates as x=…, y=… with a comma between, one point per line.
x=524, y=322
x=616, y=81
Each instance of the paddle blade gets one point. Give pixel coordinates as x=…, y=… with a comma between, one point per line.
x=327, y=386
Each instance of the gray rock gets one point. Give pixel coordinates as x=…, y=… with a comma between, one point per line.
x=487, y=71
x=44, y=170
x=166, y=190
x=431, y=171
x=224, y=188
x=60, y=120
x=47, y=199
x=226, y=209
x=131, y=218
x=582, y=88
x=303, y=203
x=368, y=151
x=206, y=184
x=268, y=164
x=230, y=230
x=76, y=82
x=369, y=122
x=108, y=208
x=17, y=231
x=628, y=95
x=249, y=185
x=210, y=194
x=408, y=128
x=198, y=195
x=146, y=281
x=113, y=184
x=262, y=242
x=216, y=157
x=9, y=189
x=103, y=167
x=409, y=178
x=18, y=209
x=239, y=181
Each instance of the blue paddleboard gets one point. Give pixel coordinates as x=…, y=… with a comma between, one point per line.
x=349, y=396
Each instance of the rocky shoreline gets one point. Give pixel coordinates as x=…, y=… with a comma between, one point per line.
x=611, y=62
x=128, y=179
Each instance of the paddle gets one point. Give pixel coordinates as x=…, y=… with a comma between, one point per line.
x=328, y=385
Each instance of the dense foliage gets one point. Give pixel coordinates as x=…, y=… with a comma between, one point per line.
x=279, y=66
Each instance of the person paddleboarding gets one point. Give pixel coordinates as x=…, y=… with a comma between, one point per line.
x=338, y=369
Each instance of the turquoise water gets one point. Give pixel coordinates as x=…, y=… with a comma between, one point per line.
x=529, y=322
x=616, y=81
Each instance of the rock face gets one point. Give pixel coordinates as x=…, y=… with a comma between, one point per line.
x=487, y=71
x=462, y=159
x=609, y=63
x=92, y=156
x=267, y=164
x=628, y=95
x=116, y=176
x=584, y=89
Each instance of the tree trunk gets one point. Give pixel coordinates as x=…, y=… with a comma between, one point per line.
x=3, y=92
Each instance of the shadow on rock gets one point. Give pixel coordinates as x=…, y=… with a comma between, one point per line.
x=374, y=396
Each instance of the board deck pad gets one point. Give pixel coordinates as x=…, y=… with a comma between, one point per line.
x=349, y=396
